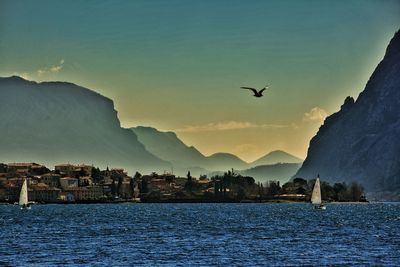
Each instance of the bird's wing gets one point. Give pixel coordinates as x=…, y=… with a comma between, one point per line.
x=262, y=90
x=249, y=88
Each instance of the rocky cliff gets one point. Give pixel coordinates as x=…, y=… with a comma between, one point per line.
x=361, y=142
x=58, y=122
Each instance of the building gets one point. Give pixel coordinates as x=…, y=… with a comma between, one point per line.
x=43, y=194
x=51, y=179
x=15, y=181
x=119, y=171
x=85, y=169
x=25, y=168
x=66, y=197
x=74, y=170
x=3, y=168
x=85, y=181
x=65, y=169
x=88, y=193
x=68, y=183
x=11, y=193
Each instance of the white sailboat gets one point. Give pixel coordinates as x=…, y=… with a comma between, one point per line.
x=316, y=199
x=23, y=196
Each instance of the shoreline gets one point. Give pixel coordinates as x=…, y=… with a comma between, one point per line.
x=194, y=202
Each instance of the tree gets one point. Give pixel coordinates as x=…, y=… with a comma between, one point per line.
x=82, y=172
x=301, y=191
x=144, y=187
x=300, y=181
x=261, y=190
x=340, y=191
x=169, y=178
x=132, y=187
x=96, y=174
x=137, y=176
x=327, y=191
x=274, y=188
x=356, y=191
x=119, y=189
x=113, y=188
x=241, y=194
x=189, y=183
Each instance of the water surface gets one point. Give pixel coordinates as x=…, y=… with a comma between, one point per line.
x=200, y=234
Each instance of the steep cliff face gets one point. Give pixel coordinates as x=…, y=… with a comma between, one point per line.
x=57, y=122
x=361, y=142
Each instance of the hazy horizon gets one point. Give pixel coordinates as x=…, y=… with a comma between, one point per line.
x=178, y=66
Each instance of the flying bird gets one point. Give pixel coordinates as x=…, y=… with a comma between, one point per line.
x=256, y=93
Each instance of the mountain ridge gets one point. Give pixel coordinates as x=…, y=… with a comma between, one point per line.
x=360, y=141
x=274, y=157
x=167, y=145
x=58, y=122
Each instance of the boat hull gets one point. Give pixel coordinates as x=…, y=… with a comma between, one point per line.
x=320, y=207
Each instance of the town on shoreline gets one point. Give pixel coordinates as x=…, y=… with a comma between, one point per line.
x=70, y=183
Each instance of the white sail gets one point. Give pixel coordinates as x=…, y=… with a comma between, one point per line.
x=316, y=193
x=23, y=195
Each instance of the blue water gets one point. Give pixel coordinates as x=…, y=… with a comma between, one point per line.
x=200, y=234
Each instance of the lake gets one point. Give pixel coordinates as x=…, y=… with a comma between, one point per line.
x=200, y=234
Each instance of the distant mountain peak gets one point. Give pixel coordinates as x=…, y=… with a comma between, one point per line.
x=276, y=156
x=15, y=78
x=224, y=154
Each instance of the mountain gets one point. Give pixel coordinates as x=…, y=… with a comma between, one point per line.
x=167, y=146
x=274, y=157
x=59, y=122
x=281, y=172
x=225, y=161
x=361, y=141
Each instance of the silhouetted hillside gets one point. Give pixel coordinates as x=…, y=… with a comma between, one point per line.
x=167, y=146
x=281, y=172
x=59, y=122
x=361, y=142
x=274, y=157
x=225, y=161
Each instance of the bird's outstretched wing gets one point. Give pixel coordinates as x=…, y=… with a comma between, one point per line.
x=262, y=90
x=249, y=88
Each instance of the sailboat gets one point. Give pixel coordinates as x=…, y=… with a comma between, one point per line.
x=316, y=199
x=23, y=197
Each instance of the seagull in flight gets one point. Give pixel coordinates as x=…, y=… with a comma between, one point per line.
x=256, y=93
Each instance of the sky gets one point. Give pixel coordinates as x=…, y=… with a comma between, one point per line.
x=178, y=65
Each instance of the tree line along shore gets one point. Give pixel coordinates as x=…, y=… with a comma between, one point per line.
x=70, y=183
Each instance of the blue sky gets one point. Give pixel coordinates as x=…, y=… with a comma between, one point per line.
x=178, y=65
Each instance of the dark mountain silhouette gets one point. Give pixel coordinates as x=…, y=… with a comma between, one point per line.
x=361, y=142
x=225, y=161
x=277, y=156
x=281, y=172
x=59, y=122
x=167, y=146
